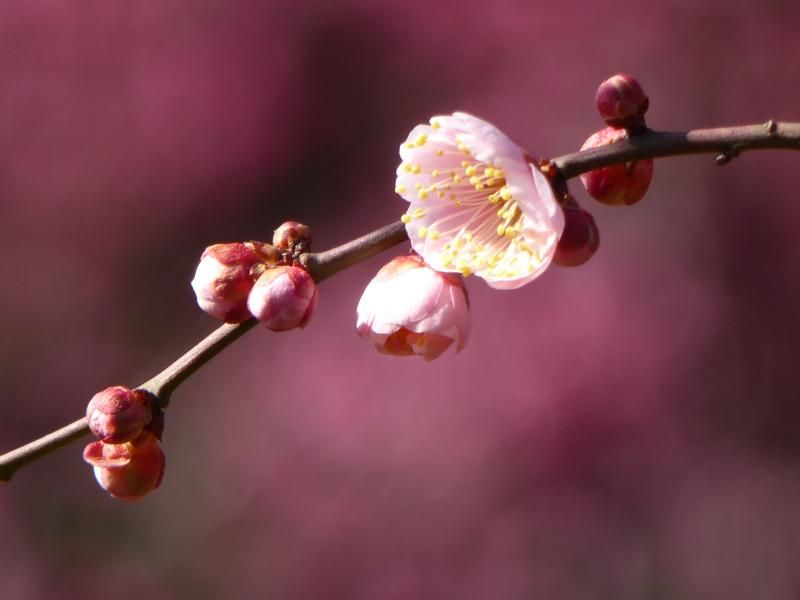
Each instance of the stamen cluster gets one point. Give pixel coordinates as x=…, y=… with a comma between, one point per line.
x=476, y=203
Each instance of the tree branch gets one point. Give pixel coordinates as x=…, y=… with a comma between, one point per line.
x=728, y=141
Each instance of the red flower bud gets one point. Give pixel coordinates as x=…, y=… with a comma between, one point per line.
x=118, y=415
x=223, y=280
x=127, y=471
x=616, y=184
x=621, y=102
x=283, y=298
x=293, y=237
x=580, y=238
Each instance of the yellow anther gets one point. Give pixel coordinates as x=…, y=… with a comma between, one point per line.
x=423, y=193
x=435, y=124
x=440, y=194
x=418, y=213
x=474, y=180
x=456, y=178
x=488, y=171
x=406, y=219
x=491, y=181
x=406, y=167
x=465, y=270
x=435, y=172
x=415, y=169
x=468, y=236
x=434, y=235
x=470, y=170
x=458, y=202
x=418, y=186
x=505, y=193
x=421, y=140
x=399, y=189
x=440, y=153
x=423, y=231
x=511, y=232
x=409, y=145
x=501, y=230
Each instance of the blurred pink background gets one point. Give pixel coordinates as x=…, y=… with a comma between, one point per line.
x=627, y=429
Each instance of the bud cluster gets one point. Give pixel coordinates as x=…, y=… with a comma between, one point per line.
x=240, y=280
x=622, y=104
x=127, y=458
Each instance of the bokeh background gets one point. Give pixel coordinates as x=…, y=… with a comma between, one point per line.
x=627, y=429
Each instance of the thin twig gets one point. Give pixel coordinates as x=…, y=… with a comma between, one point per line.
x=771, y=135
x=729, y=142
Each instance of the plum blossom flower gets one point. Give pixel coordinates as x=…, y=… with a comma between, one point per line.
x=408, y=308
x=476, y=204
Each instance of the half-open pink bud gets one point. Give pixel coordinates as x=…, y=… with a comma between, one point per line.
x=118, y=414
x=283, y=298
x=223, y=280
x=616, y=184
x=621, y=102
x=127, y=471
x=579, y=240
x=408, y=309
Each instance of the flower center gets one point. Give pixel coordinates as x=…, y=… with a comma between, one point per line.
x=483, y=223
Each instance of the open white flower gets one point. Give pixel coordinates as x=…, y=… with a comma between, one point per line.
x=477, y=206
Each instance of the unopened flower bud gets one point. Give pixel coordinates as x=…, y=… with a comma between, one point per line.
x=127, y=471
x=283, y=298
x=118, y=414
x=409, y=308
x=619, y=184
x=293, y=237
x=580, y=238
x=621, y=102
x=223, y=280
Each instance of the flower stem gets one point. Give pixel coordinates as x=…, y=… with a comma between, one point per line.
x=729, y=142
